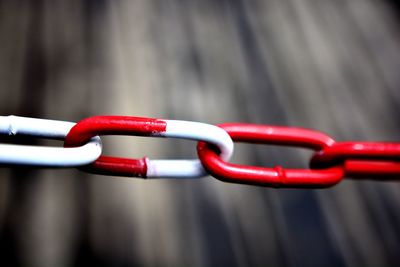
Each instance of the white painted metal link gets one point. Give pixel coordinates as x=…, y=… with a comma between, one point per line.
x=193, y=131
x=40, y=155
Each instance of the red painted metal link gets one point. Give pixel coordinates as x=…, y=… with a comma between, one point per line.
x=277, y=176
x=111, y=125
x=145, y=167
x=361, y=158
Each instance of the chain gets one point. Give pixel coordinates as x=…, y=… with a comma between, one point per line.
x=44, y=156
x=330, y=163
x=146, y=168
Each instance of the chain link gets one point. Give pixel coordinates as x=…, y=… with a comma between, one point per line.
x=44, y=156
x=146, y=168
x=331, y=162
x=272, y=177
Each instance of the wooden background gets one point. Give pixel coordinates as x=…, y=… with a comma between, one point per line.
x=328, y=65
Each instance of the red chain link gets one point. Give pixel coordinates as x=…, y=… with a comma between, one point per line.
x=330, y=163
x=114, y=125
x=277, y=176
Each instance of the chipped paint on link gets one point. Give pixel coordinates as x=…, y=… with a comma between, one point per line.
x=125, y=125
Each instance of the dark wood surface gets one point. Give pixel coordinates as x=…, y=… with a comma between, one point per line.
x=327, y=65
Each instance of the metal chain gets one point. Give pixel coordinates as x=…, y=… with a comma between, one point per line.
x=331, y=162
x=44, y=156
x=146, y=168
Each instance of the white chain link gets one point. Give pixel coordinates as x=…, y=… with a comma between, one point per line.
x=44, y=156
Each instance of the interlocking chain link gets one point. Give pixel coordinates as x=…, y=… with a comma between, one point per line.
x=330, y=163
x=146, y=168
x=277, y=176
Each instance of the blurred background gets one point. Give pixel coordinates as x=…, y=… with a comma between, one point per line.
x=327, y=65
